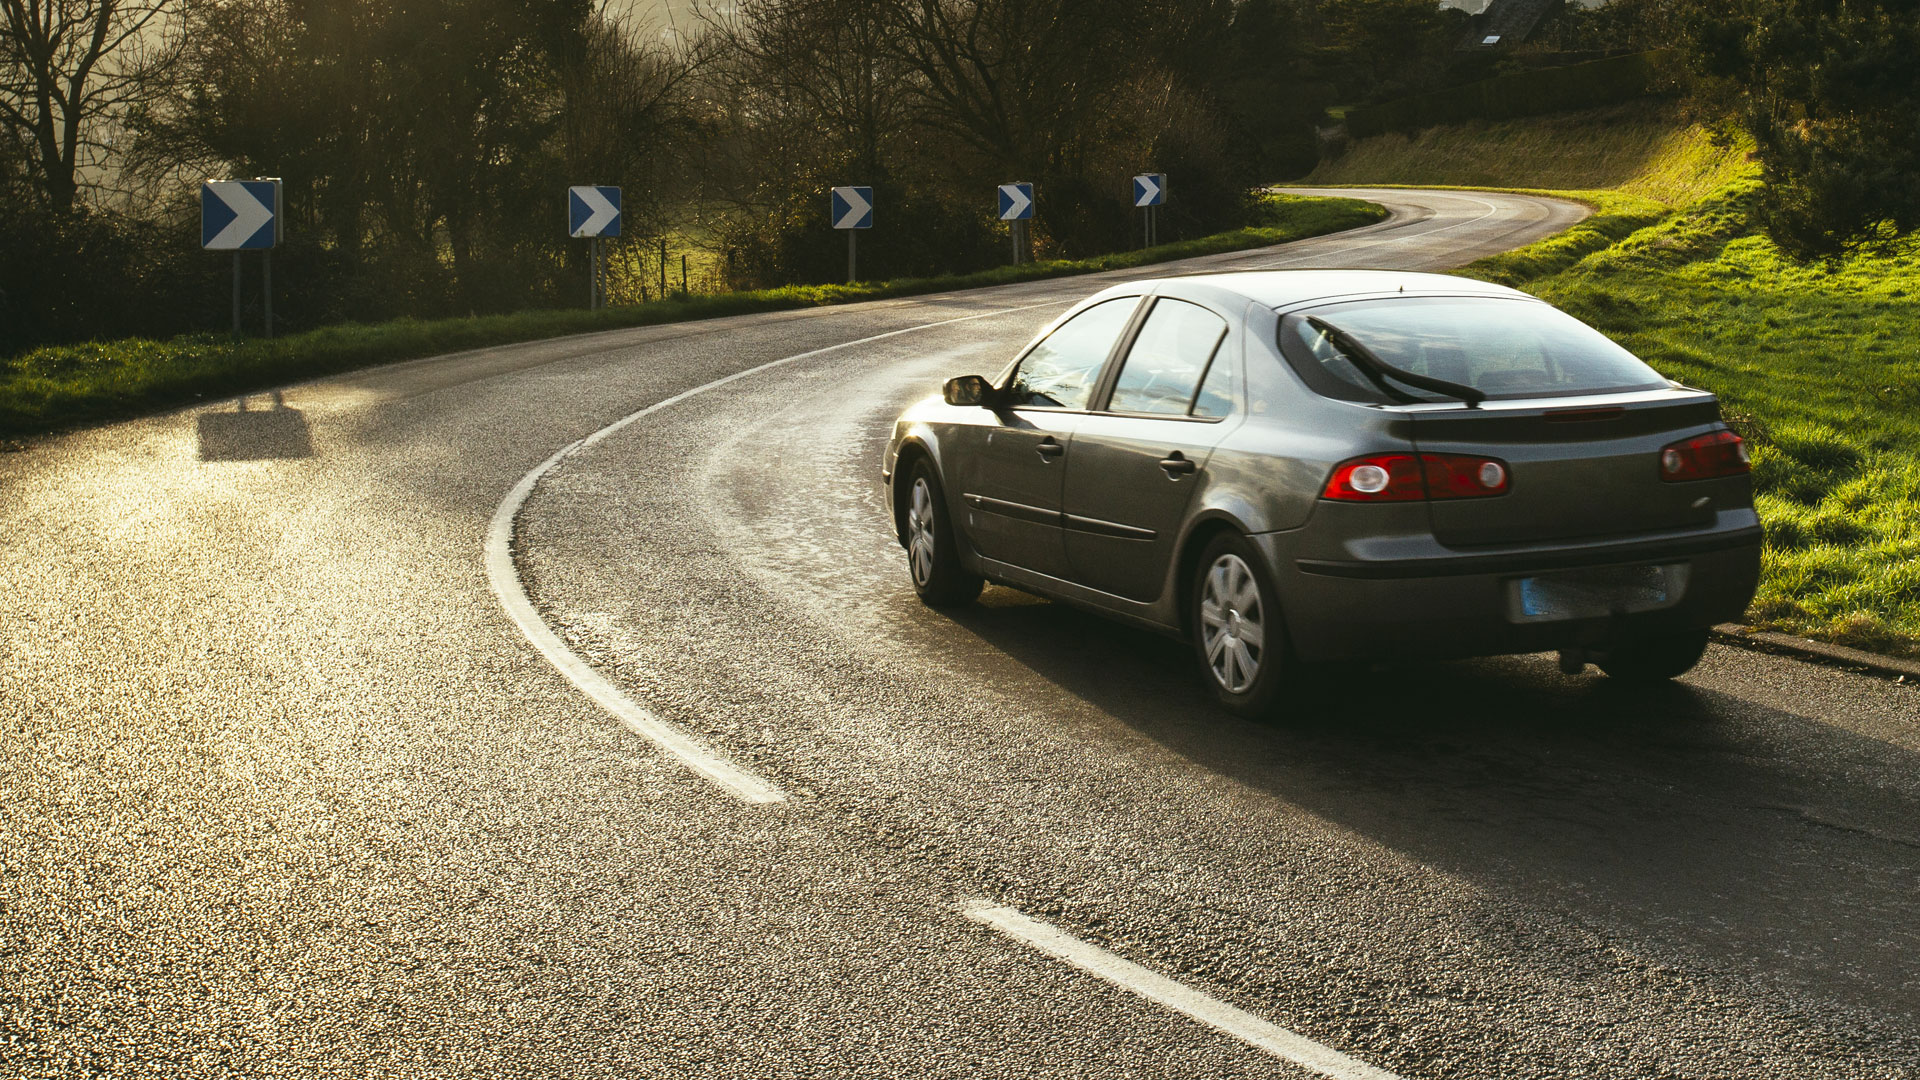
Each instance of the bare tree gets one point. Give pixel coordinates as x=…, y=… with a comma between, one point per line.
x=1020, y=82
x=67, y=68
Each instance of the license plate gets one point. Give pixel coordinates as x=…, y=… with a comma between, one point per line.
x=1596, y=593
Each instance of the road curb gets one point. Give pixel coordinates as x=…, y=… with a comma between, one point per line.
x=1818, y=652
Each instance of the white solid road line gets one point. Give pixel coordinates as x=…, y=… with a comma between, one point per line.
x=1183, y=999
x=504, y=576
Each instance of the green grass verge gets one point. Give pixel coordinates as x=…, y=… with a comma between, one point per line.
x=1817, y=365
x=52, y=388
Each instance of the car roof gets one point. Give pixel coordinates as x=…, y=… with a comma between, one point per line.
x=1283, y=289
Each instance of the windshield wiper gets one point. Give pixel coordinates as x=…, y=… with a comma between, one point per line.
x=1379, y=370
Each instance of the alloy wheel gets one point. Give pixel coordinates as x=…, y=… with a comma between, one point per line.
x=1233, y=623
x=920, y=531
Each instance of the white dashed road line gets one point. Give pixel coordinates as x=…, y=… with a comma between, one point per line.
x=1179, y=997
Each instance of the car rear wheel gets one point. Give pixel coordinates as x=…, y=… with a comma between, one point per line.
x=1237, y=636
x=1654, y=657
x=932, y=556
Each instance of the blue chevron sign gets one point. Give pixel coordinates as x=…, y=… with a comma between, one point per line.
x=238, y=215
x=851, y=208
x=593, y=211
x=1150, y=189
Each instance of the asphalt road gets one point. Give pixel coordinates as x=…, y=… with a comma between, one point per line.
x=287, y=792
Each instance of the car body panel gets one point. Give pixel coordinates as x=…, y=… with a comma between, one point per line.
x=1124, y=511
x=1570, y=478
x=1008, y=489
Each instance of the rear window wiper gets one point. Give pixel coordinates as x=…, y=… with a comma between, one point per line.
x=1379, y=370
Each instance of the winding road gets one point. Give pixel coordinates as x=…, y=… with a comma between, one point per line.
x=564, y=710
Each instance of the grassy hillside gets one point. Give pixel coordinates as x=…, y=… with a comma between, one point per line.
x=1642, y=149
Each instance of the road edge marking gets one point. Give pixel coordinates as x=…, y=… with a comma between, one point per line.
x=503, y=574
x=1179, y=997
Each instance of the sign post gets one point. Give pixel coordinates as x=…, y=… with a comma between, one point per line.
x=593, y=212
x=1016, y=208
x=243, y=215
x=851, y=208
x=1150, y=193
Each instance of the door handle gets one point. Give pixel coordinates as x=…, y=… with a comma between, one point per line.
x=1177, y=465
x=1048, y=449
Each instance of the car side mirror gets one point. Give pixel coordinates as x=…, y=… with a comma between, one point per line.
x=968, y=390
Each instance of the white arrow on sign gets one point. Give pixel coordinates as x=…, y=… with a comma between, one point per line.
x=857, y=208
x=603, y=211
x=1149, y=190
x=249, y=214
x=1017, y=201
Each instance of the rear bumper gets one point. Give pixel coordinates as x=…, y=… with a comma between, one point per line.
x=1451, y=604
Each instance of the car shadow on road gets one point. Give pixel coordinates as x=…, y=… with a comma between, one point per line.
x=1771, y=843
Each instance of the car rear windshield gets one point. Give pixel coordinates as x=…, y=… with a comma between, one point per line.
x=1504, y=348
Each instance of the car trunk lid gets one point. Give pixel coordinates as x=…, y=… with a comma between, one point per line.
x=1579, y=467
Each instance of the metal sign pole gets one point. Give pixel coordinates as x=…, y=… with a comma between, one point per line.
x=266, y=286
x=852, y=277
x=236, y=295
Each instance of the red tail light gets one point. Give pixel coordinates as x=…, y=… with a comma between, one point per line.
x=1704, y=457
x=1396, y=478
x=1381, y=478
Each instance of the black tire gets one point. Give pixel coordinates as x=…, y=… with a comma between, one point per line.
x=1231, y=593
x=933, y=556
x=1654, y=658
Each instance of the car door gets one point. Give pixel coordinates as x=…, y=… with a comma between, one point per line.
x=1138, y=458
x=1011, y=464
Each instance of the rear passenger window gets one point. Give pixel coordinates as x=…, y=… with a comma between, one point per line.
x=1217, y=391
x=1168, y=358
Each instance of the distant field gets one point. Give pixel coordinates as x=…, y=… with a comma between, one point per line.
x=1643, y=149
x=1818, y=366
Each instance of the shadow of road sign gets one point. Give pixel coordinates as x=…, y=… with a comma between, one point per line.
x=255, y=434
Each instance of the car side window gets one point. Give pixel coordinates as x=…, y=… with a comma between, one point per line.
x=1168, y=358
x=1219, y=389
x=1059, y=373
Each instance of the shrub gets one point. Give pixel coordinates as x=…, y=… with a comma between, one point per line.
x=1526, y=93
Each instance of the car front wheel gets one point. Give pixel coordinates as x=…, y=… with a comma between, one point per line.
x=1237, y=635
x=932, y=555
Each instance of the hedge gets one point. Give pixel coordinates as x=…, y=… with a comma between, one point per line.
x=1527, y=93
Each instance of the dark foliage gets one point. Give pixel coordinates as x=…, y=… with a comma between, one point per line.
x=1386, y=49
x=933, y=104
x=1527, y=93
x=1830, y=92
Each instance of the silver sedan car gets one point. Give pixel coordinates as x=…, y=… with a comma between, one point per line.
x=1299, y=467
